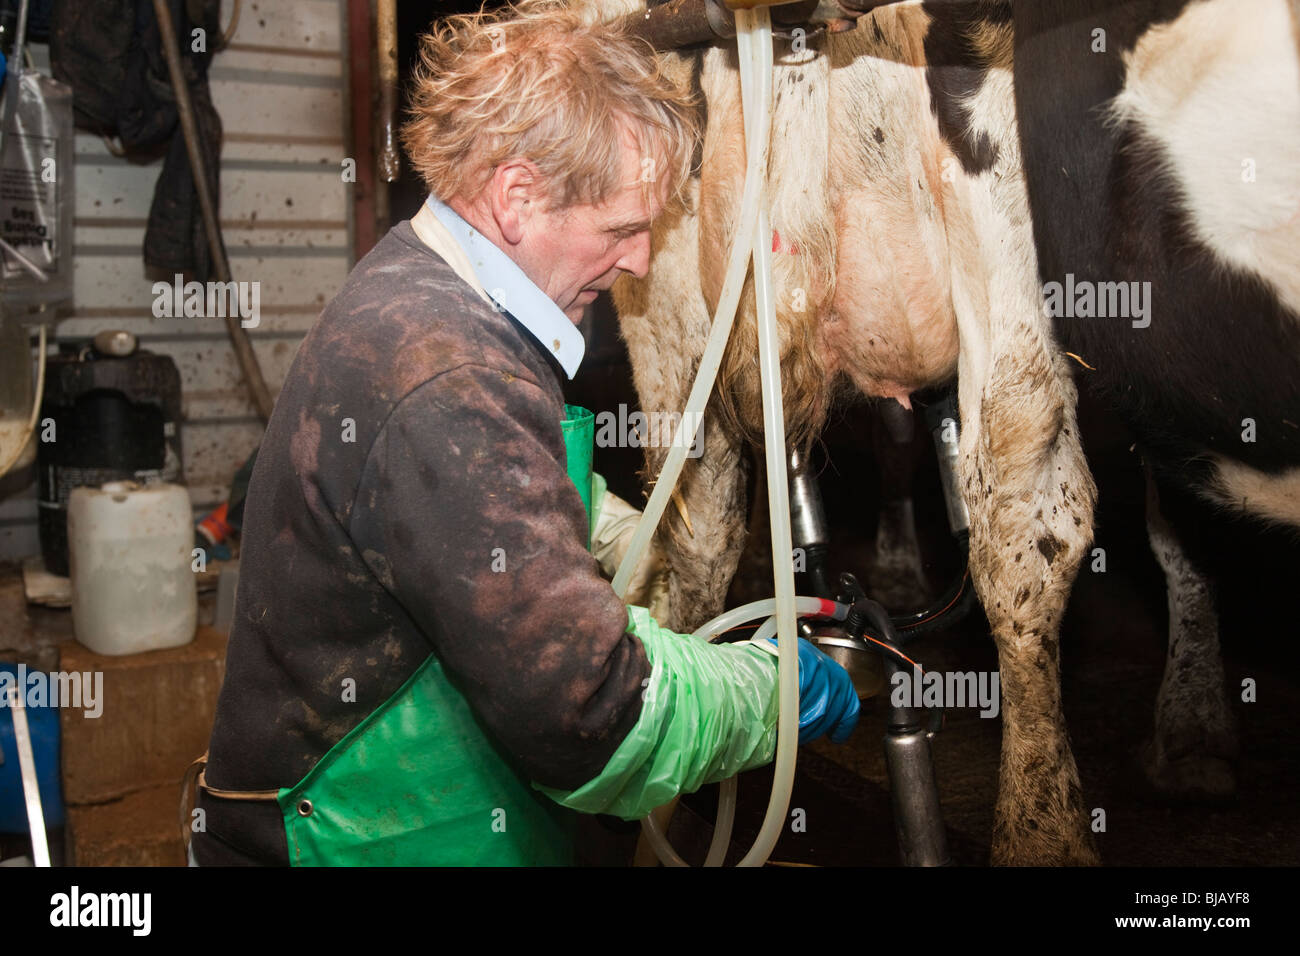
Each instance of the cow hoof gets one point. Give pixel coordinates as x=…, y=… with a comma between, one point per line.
x=1034, y=845
x=1032, y=853
x=1196, y=779
x=1191, y=777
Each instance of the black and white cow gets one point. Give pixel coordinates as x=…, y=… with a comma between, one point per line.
x=983, y=190
x=1186, y=189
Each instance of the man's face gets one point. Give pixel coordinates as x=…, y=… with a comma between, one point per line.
x=571, y=254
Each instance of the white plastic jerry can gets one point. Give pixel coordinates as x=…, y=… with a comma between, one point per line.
x=129, y=554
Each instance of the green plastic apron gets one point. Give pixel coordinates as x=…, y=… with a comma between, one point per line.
x=418, y=782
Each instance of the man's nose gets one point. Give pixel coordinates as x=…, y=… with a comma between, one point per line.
x=636, y=256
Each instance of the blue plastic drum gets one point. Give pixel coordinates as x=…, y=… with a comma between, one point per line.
x=43, y=725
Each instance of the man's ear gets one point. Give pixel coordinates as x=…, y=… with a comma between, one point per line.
x=516, y=195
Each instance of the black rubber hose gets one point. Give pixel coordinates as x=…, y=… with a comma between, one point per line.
x=946, y=610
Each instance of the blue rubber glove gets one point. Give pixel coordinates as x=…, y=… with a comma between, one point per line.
x=827, y=700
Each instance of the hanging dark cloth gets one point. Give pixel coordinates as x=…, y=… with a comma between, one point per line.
x=110, y=53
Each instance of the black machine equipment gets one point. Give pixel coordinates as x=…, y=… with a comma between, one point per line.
x=111, y=413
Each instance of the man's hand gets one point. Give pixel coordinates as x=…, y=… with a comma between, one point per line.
x=827, y=701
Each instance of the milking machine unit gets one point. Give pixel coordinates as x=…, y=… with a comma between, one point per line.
x=869, y=642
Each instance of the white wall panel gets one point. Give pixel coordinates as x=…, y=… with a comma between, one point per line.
x=280, y=90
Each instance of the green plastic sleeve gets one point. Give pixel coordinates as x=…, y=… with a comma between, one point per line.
x=709, y=712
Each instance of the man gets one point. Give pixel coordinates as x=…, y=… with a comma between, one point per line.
x=421, y=633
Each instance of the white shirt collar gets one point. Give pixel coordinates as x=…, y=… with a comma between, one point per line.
x=514, y=292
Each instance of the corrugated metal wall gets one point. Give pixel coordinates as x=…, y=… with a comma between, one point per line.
x=280, y=89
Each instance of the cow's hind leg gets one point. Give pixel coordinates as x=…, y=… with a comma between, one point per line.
x=1191, y=752
x=704, y=554
x=1031, y=500
x=1022, y=470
